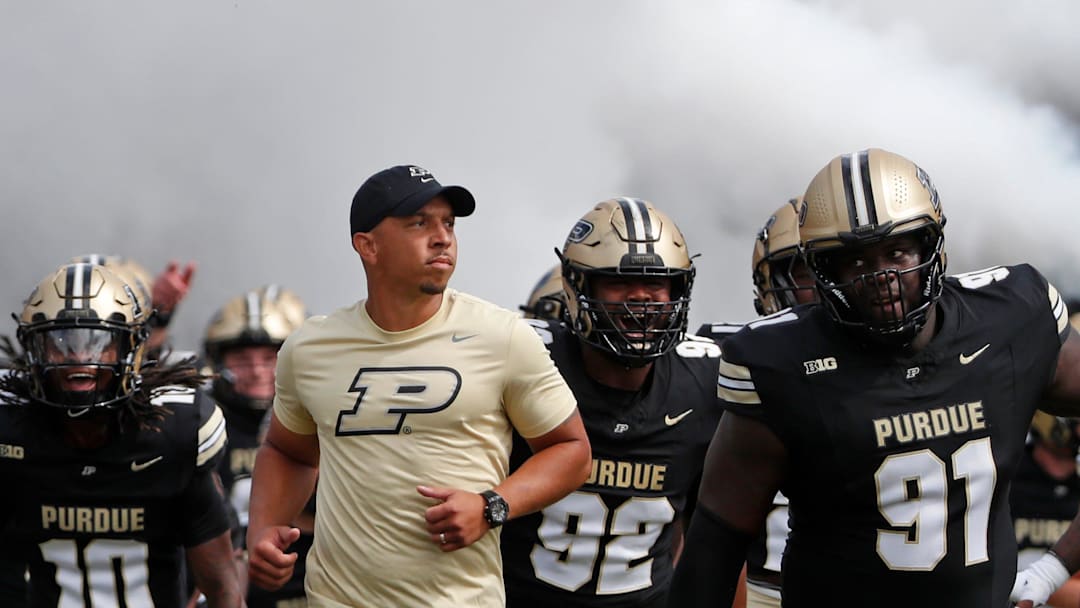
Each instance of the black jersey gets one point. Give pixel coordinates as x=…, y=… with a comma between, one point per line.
x=1042, y=508
x=239, y=457
x=899, y=468
x=719, y=332
x=106, y=527
x=763, y=556
x=245, y=426
x=610, y=542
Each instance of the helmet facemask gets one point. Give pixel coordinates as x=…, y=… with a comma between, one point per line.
x=776, y=285
x=850, y=304
x=79, y=367
x=635, y=333
x=547, y=300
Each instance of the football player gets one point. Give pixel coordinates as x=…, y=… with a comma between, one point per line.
x=113, y=462
x=547, y=300
x=1045, y=494
x=646, y=392
x=892, y=415
x=781, y=280
x=241, y=346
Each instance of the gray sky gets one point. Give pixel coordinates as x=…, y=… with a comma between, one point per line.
x=234, y=134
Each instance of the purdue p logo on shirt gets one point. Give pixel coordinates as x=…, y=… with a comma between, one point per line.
x=388, y=394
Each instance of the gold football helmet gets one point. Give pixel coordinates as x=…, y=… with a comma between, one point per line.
x=776, y=253
x=547, y=300
x=132, y=272
x=1055, y=432
x=264, y=316
x=83, y=330
x=860, y=199
x=627, y=237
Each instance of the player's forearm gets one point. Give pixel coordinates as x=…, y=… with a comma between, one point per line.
x=215, y=572
x=548, y=475
x=280, y=487
x=711, y=562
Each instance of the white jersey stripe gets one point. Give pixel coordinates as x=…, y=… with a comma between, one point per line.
x=736, y=385
x=1061, y=313
x=211, y=437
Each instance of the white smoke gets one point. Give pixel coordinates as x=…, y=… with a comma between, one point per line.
x=236, y=134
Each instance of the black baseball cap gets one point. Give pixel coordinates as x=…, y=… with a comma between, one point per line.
x=400, y=191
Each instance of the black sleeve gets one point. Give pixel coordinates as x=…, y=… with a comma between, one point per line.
x=709, y=567
x=206, y=515
x=12, y=580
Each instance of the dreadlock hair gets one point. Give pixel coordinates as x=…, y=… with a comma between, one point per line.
x=137, y=412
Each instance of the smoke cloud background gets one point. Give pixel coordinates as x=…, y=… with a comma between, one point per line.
x=234, y=134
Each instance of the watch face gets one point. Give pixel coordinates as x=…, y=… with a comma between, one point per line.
x=496, y=510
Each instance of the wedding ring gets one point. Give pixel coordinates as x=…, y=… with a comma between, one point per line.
x=442, y=537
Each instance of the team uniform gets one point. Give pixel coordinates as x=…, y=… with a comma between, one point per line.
x=432, y=405
x=891, y=460
x=611, y=543
x=234, y=469
x=764, y=555
x=106, y=527
x=1042, y=508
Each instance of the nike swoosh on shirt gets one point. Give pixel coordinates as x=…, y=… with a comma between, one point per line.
x=138, y=466
x=965, y=359
x=673, y=420
x=457, y=338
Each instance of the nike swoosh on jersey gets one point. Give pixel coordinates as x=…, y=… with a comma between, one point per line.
x=457, y=338
x=138, y=466
x=673, y=420
x=965, y=359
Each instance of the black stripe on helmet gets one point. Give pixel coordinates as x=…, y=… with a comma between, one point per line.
x=631, y=228
x=868, y=188
x=849, y=194
x=69, y=286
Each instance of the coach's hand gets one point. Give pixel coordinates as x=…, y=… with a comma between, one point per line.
x=269, y=566
x=458, y=520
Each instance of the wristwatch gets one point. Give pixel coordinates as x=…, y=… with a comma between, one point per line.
x=496, y=510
